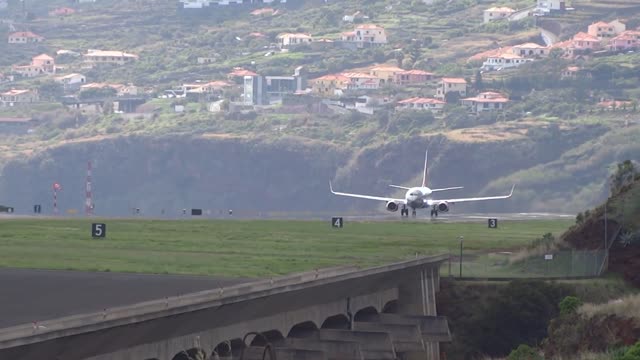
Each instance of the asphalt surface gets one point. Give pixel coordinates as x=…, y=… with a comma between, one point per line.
x=37, y=295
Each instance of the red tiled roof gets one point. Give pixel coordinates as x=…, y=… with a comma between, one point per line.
x=454, y=80
x=331, y=77
x=416, y=72
x=490, y=53
x=419, y=100
x=358, y=75
x=583, y=36
x=27, y=34
x=369, y=27
x=240, y=72
x=386, y=68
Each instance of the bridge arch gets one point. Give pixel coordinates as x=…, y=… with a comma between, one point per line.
x=339, y=321
x=191, y=354
x=365, y=314
x=270, y=336
x=303, y=329
x=390, y=307
x=228, y=348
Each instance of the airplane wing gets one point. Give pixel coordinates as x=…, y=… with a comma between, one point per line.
x=379, y=198
x=453, y=201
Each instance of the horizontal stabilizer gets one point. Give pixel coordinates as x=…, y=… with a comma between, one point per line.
x=399, y=187
x=449, y=188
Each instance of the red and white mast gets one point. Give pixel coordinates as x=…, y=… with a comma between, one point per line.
x=88, y=204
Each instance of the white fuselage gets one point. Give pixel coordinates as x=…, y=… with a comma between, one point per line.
x=417, y=197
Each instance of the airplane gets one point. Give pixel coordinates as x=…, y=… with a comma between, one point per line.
x=419, y=197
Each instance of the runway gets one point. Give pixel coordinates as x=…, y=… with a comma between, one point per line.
x=29, y=296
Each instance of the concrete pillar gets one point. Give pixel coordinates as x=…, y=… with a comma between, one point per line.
x=334, y=349
x=283, y=353
x=373, y=345
x=405, y=337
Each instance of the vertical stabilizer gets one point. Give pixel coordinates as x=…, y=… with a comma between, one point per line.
x=426, y=169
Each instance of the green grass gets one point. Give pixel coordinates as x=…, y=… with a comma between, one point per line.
x=244, y=248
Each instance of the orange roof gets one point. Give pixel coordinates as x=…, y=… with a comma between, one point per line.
x=240, y=72
x=416, y=72
x=358, y=75
x=369, y=27
x=562, y=45
x=14, y=92
x=615, y=103
x=262, y=11
x=419, y=100
x=573, y=69
x=490, y=53
x=530, y=45
x=583, y=36
x=332, y=77
x=386, y=68
x=501, y=9
x=27, y=34
x=454, y=80
x=42, y=57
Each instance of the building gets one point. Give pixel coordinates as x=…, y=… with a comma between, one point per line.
x=386, y=73
x=362, y=81
x=96, y=57
x=40, y=65
x=451, y=85
x=603, y=30
x=486, y=101
x=574, y=72
x=238, y=74
x=254, y=90
x=24, y=37
x=418, y=103
x=413, y=77
x=505, y=61
x=551, y=5
x=290, y=40
x=530, y=50
x=17, y=97
x=365, y=35
x=627, y=40
x=63, y=11
x=329, y=85
x=71, y=82
x=584, y=41
x=497, y=13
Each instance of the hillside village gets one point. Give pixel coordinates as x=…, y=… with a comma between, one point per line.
x=76, y=79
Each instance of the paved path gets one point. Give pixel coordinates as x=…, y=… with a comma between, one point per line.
x=37, y=295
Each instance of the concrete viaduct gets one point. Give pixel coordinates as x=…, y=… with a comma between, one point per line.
x=385, y=312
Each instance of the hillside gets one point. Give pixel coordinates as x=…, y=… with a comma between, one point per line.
x=554, y=139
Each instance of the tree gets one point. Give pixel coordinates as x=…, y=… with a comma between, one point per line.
x=633, y=353
x=624, y=175
x=50, y=90
x=478, y=82
x=569, y=305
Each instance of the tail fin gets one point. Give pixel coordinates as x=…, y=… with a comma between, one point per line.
x=426, y=169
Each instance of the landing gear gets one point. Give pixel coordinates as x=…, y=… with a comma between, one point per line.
x=434, y=212
x=404, y=211
x=413, y=213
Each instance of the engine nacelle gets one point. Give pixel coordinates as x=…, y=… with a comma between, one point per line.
x=392, y=206
x=443, y=207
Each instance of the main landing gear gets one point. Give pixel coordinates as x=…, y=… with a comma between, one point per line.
x=434, y=212
x=405, y=212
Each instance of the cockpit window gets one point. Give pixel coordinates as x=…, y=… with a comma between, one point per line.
x=415, y=194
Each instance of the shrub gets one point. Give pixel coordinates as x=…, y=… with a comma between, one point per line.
x=524, y=352
x=569, y=305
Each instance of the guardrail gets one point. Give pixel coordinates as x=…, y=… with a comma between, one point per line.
x=144, y=311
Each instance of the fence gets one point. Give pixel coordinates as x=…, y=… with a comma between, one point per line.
x=554, y=264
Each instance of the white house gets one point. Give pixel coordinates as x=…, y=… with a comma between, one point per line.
x=504, y=61
x=497, y=13
x=366, y=35
x=71, y=81
x=291, y=40
x=486, y=101
x=549, y=5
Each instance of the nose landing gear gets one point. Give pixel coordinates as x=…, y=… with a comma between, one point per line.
x=434, y=212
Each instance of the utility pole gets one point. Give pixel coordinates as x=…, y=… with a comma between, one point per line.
x=461, y=240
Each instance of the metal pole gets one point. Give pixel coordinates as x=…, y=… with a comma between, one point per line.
x=461, y=239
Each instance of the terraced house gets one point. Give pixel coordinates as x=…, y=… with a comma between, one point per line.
x=96, y=57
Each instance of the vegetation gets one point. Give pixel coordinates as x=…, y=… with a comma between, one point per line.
x=240, y=248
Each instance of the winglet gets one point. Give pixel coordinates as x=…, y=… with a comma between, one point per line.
x=512, y=188
x=331, y=187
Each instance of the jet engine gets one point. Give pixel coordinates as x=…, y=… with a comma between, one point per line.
x=443, y=207
x=392, y=206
